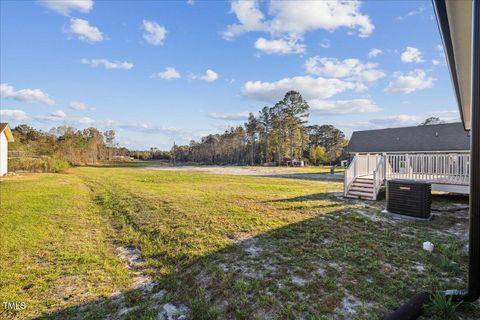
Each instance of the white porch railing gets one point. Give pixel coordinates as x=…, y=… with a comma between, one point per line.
x=378, y=177
x=349, y=176
x=361, y=165
x=438, y=168
x=444, y=168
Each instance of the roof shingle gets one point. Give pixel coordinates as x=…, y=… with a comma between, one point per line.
x=440, y=137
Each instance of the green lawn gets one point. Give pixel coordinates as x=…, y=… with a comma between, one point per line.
x=237, y=247
x=56, y=248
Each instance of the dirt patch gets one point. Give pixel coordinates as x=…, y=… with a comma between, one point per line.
x=280, y=172
x=250, y=246
x=349, y=306
x=133, y=259
x=145, y=285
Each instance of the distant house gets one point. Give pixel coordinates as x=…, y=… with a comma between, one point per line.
x=5, y=137
x=437, y=154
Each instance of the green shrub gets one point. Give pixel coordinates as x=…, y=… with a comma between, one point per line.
x=40, y=164
x=442, y=307
x=58, y=165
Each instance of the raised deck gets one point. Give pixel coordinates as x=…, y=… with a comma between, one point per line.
x=449, y=172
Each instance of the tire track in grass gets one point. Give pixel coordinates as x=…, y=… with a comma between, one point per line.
x=144, y=294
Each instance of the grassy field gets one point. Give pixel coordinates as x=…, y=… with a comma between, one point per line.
x=55, y=245
x=135, y=243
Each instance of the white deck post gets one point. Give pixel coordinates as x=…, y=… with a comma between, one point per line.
x=384, y=159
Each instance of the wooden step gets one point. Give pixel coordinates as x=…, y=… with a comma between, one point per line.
x=355, y=188
x=363, y=185
x=364, y=180
x=359, y=197
x=360, y=194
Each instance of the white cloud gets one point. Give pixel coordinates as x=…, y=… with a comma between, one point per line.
x=325, y=44
x=77, y=105
x=435, y=62
x=59, y=114
x=64, y=7
x=17, y=115
x=297, y=17
x=351, y=69
x=300, y=16
x=84, y=31
x=401, y=120
x=107, y=64
x=25, y=95
x=85, y=121
x=249, y=16
x=279, y=46
x=290, y=20
x=440, y=50
x=412, y=13
x=168, y=74
x=158, y=129
x=445, y=115
x=412, y=54
x=410, y=82
x=343, y=106
x=374, y=52
x=236, y=116
x=395, y=121
x=309, y=87
x=209, y=76
x=154, y=33
x=191, y=2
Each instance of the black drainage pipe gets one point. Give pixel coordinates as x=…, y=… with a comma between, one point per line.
x=410, y=310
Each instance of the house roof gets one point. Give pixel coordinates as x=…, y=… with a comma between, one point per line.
x=4, y=127
x=456, y=25
x=431, y=138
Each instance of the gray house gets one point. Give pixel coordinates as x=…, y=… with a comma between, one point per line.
x=448, y=137
x=438, y=154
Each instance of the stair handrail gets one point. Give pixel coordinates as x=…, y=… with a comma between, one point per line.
x=378, y=177
x=350, y=175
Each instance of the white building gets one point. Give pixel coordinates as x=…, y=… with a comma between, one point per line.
x=5, y=137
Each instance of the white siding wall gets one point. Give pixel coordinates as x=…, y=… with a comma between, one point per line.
x=3, y=154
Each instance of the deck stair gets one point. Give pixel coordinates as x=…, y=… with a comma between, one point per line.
x=362, y=188
x=367, y=173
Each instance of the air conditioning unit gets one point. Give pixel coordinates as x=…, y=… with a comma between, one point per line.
x=410, y=198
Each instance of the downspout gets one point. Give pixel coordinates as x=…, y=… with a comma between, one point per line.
x=415, y=306
x=473, y=292
x=473, y=287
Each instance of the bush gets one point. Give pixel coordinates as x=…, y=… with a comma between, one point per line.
x=41, y=164
x=57, y=165
x=442, y=307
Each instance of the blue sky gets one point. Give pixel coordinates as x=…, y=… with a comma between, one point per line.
x=159, y=72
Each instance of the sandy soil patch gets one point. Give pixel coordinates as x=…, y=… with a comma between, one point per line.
x=282, y=172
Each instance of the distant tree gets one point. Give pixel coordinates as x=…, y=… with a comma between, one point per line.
x=328, y=137
x=24, y=133
x=211, y=140
x=265, y=128
x=431, y=121
x=296, y=110
x=318, y=155
x=110, y=141
x=252, y=129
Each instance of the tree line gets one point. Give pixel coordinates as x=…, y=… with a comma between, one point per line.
x=277, y=135
x=60, y=147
